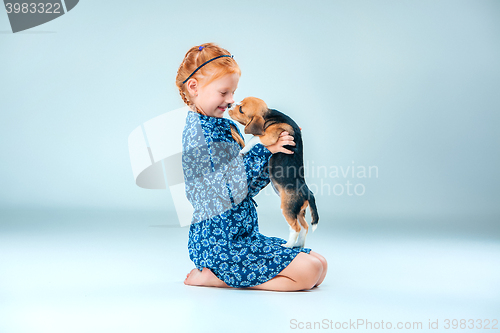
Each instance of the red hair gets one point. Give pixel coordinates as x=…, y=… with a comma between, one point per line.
x=206, y=74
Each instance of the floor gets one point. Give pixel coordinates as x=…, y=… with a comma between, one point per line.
x=103, y=271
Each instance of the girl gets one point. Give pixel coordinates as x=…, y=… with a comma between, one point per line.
x=224, y=239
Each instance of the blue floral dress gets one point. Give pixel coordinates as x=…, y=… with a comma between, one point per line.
x=220, y=184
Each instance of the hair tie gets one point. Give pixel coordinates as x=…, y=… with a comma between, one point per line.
x=206, y=62
x=201, y=48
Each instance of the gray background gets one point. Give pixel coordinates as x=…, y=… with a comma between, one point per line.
x=410, y=87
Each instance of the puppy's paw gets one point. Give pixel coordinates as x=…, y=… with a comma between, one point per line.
x=245, y=150
x=252, y=142
x=292, y=238
x=301, y=240
x=289, y=244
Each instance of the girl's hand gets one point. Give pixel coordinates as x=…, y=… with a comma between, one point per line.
x=283, y=140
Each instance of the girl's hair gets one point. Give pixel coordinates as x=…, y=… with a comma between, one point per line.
x=206, y=74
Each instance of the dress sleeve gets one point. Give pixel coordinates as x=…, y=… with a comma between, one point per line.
x=203, y=177
x=216, y=177
x=256, y=163
x=257, y=168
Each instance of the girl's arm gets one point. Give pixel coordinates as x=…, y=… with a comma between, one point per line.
x=256, y=163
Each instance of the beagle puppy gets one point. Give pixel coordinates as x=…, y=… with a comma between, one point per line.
x=286, y=171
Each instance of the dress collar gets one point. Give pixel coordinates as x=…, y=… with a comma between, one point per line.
x=212, y=120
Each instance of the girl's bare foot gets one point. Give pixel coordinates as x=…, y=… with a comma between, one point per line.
x=204, y=278
x=193, y=277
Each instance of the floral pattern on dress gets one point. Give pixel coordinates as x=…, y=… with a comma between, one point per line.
x=220, y=184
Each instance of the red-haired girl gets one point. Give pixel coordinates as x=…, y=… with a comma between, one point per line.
x=224, y=239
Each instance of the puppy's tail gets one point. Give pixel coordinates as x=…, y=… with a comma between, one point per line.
x=314, y=211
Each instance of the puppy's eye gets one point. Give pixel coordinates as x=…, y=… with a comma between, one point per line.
x=241, y=109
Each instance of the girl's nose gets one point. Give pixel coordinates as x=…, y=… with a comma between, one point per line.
x=230, y=99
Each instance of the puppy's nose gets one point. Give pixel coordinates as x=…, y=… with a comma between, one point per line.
x=231, y=106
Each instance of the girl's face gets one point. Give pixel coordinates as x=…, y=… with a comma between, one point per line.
x=214, y=98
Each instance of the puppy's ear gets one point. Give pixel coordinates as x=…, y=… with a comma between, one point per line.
x=255, y=126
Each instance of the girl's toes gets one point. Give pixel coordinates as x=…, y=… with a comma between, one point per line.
x=187, y=277
x=192, y=277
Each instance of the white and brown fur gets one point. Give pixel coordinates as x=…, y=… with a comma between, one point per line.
x=266, y=125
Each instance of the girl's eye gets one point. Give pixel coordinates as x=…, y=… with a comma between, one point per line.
x=223, y=93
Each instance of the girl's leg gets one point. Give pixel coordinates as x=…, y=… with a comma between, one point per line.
x=325, y=266
x=304, y=272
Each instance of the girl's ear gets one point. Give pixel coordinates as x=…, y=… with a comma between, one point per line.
x=192, y=86
x=255, y=126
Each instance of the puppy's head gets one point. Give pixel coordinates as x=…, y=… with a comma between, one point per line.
x=250, y=112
